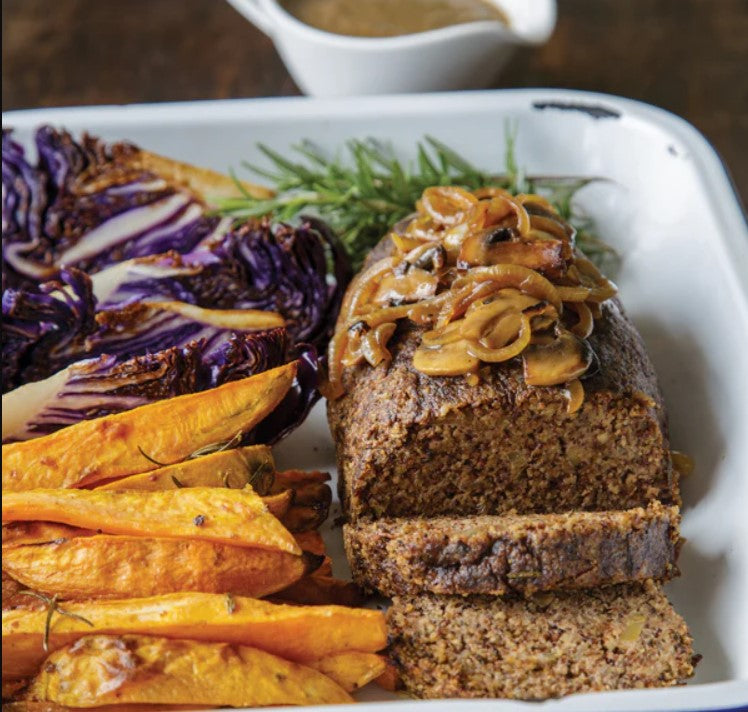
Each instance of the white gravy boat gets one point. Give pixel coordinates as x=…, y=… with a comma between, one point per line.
x=466, y=56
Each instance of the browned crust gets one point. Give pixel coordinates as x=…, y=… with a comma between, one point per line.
x=413, y=445
x=546, y=646
x=514, y=553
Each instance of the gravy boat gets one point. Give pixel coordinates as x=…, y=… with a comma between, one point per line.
x=464, y=56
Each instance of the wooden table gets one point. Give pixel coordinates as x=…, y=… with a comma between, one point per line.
x=688, y=56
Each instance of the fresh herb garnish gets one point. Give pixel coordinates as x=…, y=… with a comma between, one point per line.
x=200, y=452
x=260, y=470
x=151, y=459
x=52, y=608
x=363, y=194
x=216, y=447
x=177, y=483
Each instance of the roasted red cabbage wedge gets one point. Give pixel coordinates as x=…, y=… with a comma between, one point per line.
x=157, y=298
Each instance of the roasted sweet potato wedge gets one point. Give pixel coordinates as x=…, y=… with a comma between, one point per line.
x=325, y=568
x=279, y=504
x=312, y=498
x=295, y=479
x=30, y=706
x=132, y=442
x=22, y=533
x=100, y=670
x=311, y=541
x=235, y=468
x=320, y=589
x=14, y=598
x=299, y=633
x=351, y=670
x=390, y=678
x=218, y=514
x=108, y=566
x=304, y=518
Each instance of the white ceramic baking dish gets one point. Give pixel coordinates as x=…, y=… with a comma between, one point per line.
x=668, y=208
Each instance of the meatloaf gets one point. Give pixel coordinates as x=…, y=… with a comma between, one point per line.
x=617, y=637
x=513, y=553
x=413, y=445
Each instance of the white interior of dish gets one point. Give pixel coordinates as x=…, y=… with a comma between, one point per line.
x=669, y=210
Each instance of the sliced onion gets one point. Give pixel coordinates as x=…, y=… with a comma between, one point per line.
x=573, y=294
x=333, y=389
x=422, y=228
x=413, y=286
x=583, y=328
x=489, y=355
x=535, y=199
x=427, y=311
x=551, y=226
x=366, y=284
x=374, y=343
x=381, y=316
x=459, y=302
x=491, y=191
x=404, y=243
x=604, y=291
x=447, y=204
x=575, y=394
x=526, y=280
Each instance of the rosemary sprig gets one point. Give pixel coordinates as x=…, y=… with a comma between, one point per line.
x=367, y=190
x=216, y=447
x=200, y=452
x=151, y=459
x=53, y=607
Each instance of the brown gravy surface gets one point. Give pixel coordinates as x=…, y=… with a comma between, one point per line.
x=389, y=18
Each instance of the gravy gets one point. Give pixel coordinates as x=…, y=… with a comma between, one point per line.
x=389, y=18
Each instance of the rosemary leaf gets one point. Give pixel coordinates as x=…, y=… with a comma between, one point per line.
x=362, y=193
x=151, y=459
x=177, y=483
x=216, y=447
x=52, y=608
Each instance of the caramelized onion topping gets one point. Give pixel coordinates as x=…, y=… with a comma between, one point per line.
x=493, y=277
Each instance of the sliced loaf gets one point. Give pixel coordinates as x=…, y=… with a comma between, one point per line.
x=513, y=553
x=617, y=637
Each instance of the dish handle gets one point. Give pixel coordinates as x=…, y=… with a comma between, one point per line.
x=255, y=13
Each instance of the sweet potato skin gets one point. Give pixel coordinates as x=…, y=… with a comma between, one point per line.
x=23, y=533
x=221, y=515
x=106, y=566
x=235, y=468
x=298, y=633
x=168, y=431
x=100, y=670
x=351, y=670
x=322, y=589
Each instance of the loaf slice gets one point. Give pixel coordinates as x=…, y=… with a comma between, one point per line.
x=625, y=636
x=413, y=445
x=513, y=553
